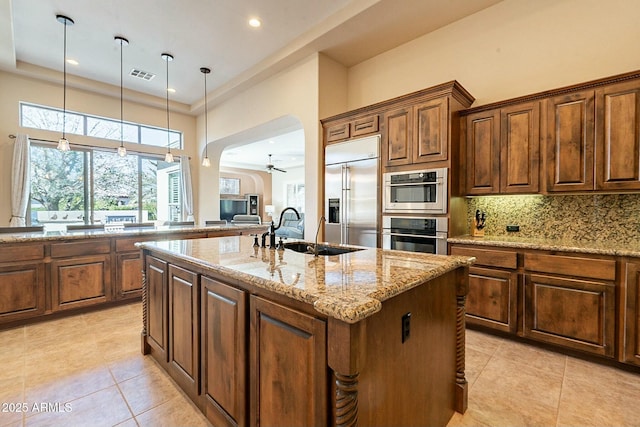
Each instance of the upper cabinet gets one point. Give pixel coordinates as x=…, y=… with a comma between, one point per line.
x=570, y=138
x=575, y=139
x=618, y=136
x=414, y=128
x=503, y=150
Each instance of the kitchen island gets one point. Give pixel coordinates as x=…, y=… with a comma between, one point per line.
x=256, y=336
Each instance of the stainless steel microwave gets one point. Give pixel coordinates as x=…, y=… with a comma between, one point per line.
x=419, y=192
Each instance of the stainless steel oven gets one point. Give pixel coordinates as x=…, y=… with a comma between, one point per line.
x=415, y=234
x=420, y=192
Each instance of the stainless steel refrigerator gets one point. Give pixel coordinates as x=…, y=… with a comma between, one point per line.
x=351, y=192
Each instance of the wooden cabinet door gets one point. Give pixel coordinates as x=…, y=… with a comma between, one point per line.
x=618, y=137
x=288, y=367
x=493, y=299
x=431, y=120
x=128, y=275
x=224, y=353
x=483, y=153
x=577, y=314
x=80, y=281
x=520, y=148
x=22, y=291
x=570, y=139
x=157, y=306
x=630, y=306
x=338, y=132
x=399, y=137
x=183, y=330
x=365, y=126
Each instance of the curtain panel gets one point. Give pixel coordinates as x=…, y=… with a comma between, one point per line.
x=20, y=181
x=187, y=189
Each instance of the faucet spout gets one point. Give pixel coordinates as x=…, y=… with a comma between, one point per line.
x=315, y=245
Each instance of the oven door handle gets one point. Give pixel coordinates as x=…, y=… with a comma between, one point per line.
x=420, y=236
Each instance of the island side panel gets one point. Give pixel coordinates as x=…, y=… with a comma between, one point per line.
x=412, y=383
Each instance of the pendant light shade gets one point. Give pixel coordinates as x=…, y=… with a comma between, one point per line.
x=63, y=143
x=205, y=162
x=168, y=157
x=122, y=151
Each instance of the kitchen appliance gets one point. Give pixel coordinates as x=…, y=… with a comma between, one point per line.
x=415, y=234
x=420, y=191
x=351, y=192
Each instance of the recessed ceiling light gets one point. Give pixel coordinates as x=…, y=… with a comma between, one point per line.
x=255, y=22
x=72, y=62
x=171, y=90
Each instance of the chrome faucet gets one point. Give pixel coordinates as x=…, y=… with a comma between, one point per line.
x=315, y=244
x=272, y=229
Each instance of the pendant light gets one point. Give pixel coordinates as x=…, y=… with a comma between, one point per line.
x=205, y=162
x=63, y=143
x=168, y=157
x=122, y=151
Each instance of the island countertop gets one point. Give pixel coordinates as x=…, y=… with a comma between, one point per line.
x=348, y=287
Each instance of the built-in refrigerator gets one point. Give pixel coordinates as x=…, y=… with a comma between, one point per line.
x=351, y=192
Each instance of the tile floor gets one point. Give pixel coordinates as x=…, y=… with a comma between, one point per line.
x=87, y=370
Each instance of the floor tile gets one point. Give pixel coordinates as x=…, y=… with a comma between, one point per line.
x=103, y=408
x=178, y=411
x=147, y=391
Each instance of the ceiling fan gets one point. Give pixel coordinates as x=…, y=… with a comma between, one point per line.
x=271, y=167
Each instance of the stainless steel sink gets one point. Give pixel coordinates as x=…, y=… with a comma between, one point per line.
x=307, y=248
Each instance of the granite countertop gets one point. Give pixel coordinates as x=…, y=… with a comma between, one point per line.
x=348, y=287
x=588, y=247
x=119, y=232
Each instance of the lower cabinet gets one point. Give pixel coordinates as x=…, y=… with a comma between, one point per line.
x=80, y=281
x=156, y=272
x=630, y=332
x=22, y=290
x=287, y=367
x=492, y=300
x=577, y=314
x=184, y=339
x=224, y=353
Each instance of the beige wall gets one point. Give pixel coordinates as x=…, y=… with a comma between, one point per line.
x=514, y=48
x=15, y=88
x=293, y=92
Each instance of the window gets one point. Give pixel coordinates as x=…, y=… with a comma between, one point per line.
x=230, y=186
x=295, y=196
x=90, y=186
x=48, y=118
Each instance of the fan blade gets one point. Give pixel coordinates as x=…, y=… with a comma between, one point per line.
x=280, y=170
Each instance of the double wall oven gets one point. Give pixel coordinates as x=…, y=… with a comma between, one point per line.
x=412, y=201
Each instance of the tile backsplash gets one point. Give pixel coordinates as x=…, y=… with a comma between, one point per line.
x=594, y=217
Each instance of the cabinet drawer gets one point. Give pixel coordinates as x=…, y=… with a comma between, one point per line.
x=11, y=253
x=592, y=268
x=84, y=247
x=128, y=244
x=338, y=132
x=489, y=257
x=365, y=126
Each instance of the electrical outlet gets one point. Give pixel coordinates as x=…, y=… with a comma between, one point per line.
x=513, y=228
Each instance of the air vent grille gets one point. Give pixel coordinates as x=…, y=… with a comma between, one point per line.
x=144, y=75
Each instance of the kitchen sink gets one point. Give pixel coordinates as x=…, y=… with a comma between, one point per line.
x=307, y=248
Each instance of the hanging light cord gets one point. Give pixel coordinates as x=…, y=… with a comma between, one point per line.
x=121, y=113
x=167, y=90
x=206, y=120
x=64, y=83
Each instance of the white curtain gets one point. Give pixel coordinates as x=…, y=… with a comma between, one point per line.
x=20, y=183
x=187, y=189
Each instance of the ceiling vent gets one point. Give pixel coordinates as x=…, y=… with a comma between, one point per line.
x=144, y=75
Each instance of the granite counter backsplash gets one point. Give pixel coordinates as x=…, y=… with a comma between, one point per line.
x=614, y=218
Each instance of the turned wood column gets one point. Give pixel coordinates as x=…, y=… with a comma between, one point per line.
x=346, y=359
x=144, y=347
x=462, y=289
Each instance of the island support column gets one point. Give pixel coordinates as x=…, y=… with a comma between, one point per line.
x=345, y=358
x=462, y=289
